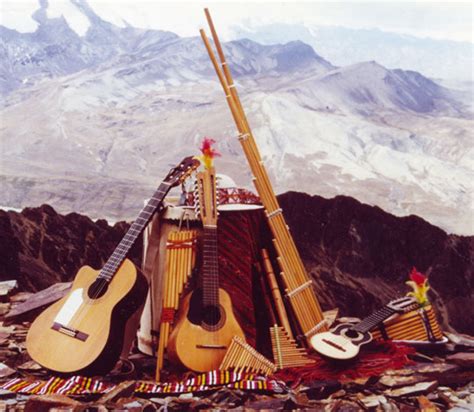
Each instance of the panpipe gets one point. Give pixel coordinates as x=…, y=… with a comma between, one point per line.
x=180, y=260
x=298, y=286
x=286, y=353
x=416, y=325
x=241, y=357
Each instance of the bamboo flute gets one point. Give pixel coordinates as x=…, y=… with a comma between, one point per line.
x=275, y=290
x=308, y=312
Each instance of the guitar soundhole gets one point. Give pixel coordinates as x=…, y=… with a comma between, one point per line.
x=211, y=315
x=97, y=289
x=351, y=333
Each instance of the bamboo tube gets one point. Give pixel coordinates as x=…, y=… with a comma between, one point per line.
x=243, y=358
x=411, y=326
x=275, y=291
x=180, y=258
x=264, y=188
x=285, y=351
x=266, y=298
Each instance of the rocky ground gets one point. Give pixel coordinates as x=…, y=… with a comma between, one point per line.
x=435, y=379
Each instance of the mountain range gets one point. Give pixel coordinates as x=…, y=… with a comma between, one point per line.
x=435, y=58
x=91, y=123
x=358, y=255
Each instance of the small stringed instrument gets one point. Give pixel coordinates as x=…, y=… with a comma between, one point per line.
x=206, y=322
x=343, y=342
x=84, y=331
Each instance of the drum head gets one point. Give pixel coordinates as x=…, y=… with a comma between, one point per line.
x=237, y=207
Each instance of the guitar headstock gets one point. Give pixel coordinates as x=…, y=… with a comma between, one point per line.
x=403, y=304
x=179, y=173
x=207, y=197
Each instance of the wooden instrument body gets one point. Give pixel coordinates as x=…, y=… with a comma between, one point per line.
x=341, y=343
x=102, y=320
x=194, y=344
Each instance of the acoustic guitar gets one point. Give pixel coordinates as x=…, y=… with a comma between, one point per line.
x=344, y=341
x=84, y=332
x=206, y=321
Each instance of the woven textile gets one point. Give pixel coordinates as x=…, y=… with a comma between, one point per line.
x=79, y=385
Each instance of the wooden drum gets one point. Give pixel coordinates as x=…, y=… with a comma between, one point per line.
x=239, y=227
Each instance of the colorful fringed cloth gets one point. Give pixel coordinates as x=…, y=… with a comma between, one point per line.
x=79, y=385
x=373, y=360
x=211, y=380
x=75, y=385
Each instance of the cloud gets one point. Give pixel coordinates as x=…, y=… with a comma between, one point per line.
x=448, y=20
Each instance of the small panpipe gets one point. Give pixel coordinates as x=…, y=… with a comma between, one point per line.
x=243, y=358
x=180, y=260
x=416, y=325
x=286, y=353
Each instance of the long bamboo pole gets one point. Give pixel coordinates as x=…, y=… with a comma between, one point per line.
x=303, y=301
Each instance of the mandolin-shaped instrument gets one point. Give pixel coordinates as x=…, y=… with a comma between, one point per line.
x=206, y=322
x=84, y=332
x=344, y=341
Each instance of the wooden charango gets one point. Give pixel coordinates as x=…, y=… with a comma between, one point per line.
x=344, y=341
x=84, y=332
x=206, y=321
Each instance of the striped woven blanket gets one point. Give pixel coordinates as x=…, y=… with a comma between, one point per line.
x=80, y=385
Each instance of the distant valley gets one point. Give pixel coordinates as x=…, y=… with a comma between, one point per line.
x=91, y=124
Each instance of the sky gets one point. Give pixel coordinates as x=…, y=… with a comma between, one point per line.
x=440, y=20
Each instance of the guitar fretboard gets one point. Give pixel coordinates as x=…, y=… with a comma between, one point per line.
x=210, y=271
x=373, y=320
x=137, y=227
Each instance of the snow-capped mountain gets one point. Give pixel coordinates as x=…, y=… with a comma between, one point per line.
x=344, y=46
x=92, y=123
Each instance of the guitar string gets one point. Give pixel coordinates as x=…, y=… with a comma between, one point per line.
x=378, y=316
x=118, y=259
x=210, y=282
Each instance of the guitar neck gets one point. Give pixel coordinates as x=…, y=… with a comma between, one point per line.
x=210, y=268
x=373, y=320
x=137, y=227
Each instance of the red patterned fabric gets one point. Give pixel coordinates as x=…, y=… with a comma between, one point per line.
x=373, y=360
x=238, y=233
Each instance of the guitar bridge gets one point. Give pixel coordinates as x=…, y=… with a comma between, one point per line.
x=73, y=333
x=334, y=345
x=211, y=347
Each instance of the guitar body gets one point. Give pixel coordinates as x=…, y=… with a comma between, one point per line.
x=194, y=343
x=341, y=343
x=91, y=339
